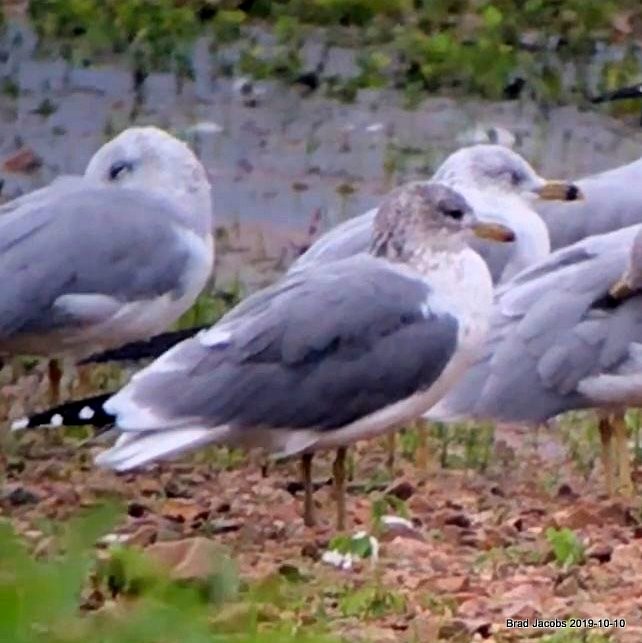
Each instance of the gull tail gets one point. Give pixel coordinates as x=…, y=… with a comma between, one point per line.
x=86, y=411
x=134, y=448
x=149, y=349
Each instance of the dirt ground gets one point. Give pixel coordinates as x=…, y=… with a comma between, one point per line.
x=476, y=556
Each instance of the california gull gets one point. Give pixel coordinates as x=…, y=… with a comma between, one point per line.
x=499, y=184
x=565, y=334
x=96, y=261
x=345, y=351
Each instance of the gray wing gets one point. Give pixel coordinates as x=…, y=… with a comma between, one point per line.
x=548, y=332
x=347, y=239
x=109, y=242
x=61, y=186
x=339, y=344
x=611, y=201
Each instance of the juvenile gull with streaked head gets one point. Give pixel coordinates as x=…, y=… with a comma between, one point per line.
x=325, y=357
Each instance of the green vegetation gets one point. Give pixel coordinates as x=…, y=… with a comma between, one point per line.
x=567, y=548
x=70, y=598
x=460, y=46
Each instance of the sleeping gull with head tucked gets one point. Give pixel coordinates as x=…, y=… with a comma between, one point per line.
x=325, y=357
x=565, y=334
x=115, y=255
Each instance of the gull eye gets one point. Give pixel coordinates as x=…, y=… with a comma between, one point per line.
x=454, y=213
x=118, y=168
x=515, y=177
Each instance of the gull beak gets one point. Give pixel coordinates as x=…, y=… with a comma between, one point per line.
x=621, y=289
x=493, y=231
x=558, y=191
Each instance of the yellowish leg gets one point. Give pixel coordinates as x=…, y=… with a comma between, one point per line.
x=339, y=473
x=55, y=377
x=606, y=435
x=423, y=455
x=308, y=489
x=390, y=453
x=83, y=385
x=621, y=434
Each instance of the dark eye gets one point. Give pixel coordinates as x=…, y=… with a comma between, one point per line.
x=118, y=168
x=454, y=213
x=515, y=177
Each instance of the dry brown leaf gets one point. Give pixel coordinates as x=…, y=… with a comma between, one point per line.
x=187, y=559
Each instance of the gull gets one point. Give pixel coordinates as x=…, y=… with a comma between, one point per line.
x=565, y=334
x=499, y=184
x=329, y=355
x=116, y=255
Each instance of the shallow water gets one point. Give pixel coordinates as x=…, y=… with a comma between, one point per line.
x=278, y=161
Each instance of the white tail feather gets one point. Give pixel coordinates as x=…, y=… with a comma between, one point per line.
x=134, y=450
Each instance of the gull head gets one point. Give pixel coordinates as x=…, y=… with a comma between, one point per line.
x=420, y=216
x=150, y=159
x=500, y=168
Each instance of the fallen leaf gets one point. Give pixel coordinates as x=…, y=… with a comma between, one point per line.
x=188, y=559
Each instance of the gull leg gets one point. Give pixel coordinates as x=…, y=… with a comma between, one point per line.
x=422, y=457
x=83, y=380
x=339, y=472
x=308, y=490
x=390, y=453
x=621, y=433
x=606, y=435
x=55, y=377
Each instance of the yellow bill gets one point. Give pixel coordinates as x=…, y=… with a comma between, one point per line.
x=493, y=231
x=559, y=191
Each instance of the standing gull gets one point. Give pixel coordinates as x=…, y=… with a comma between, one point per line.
x=113, y=256
x=565, y=334
x=500, y=186
x=325, y=357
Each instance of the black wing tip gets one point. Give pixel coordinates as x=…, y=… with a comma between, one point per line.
x=144, y=349
x=88, y=411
